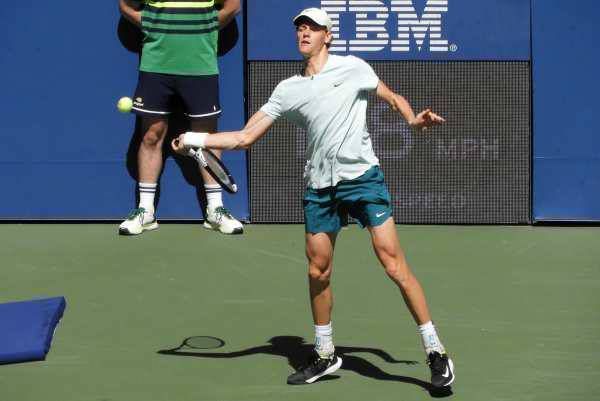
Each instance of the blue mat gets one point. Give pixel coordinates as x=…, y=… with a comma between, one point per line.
x=27, y=328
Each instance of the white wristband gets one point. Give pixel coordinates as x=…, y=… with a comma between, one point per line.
x=194, y=139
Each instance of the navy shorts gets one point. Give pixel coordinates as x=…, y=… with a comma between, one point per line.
x=365, y=198
x=155, y=94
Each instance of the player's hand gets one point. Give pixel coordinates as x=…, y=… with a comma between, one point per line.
x=177, y=145
x=426, y=119
x=188, y=140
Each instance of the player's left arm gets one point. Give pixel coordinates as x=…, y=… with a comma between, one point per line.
x=230, y=8
x=398, y=103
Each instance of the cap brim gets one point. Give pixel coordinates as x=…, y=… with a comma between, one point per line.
x=298, y=20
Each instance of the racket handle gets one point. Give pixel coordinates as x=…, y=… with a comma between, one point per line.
x=197, y=154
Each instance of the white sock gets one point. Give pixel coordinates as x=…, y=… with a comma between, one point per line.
x=431, y=341
x=147, y=193
x=324, y=340
x=214, y=196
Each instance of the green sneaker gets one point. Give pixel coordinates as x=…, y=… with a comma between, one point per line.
x=221, y=220
x=137, y=222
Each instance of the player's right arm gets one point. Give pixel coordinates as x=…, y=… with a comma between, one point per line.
x=257, y=126
x=131, y=11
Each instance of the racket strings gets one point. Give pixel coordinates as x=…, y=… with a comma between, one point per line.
x=217, y=168
x=203, y=342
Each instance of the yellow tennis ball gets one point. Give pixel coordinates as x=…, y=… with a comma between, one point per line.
x=125, y=104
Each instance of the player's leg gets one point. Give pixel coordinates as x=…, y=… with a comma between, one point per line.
x=151, y=103
x=150, y=157
x=319, y=252
x=388, y=251
x=149, y=166
x=369, y=202
x=322, y=225
x=390, y=254
x=200, y=95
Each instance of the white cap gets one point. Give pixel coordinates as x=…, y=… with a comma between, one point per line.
x=317, y=15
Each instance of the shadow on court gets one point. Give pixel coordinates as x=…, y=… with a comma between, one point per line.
x=295, y=350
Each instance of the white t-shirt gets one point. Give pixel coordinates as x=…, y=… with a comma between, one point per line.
x=332, y=107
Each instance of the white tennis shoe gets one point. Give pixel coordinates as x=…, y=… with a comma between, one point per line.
x=137, y=222
x=219, y=219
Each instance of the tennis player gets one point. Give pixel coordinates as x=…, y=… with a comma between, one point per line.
x=343, y=177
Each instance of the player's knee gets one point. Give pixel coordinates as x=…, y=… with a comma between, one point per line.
x=319, y=272
x=154, y=136
x=399, y=273
x=394, y=273
x=152, y=140
x=404, y=279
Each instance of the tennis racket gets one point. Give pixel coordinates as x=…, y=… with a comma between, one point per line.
x=215, y=168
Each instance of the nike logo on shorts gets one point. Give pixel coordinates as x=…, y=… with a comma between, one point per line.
x=379, y=214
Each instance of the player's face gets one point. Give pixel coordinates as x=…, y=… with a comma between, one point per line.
x=311, y=38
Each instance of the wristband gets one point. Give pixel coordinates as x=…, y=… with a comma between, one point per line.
x=194, y=139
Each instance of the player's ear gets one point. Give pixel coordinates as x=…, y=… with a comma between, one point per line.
x=328, y=39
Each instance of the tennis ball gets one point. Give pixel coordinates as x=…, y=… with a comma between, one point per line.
x=124, y=104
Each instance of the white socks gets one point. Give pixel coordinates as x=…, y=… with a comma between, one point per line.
x=431, y=342
x=324, y=341
x=214, y=196
x=147, y=193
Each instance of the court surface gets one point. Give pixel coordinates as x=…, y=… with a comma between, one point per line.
x=517, y=308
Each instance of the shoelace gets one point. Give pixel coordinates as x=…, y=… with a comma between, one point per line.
x=436, y=363
x=136, y=212
x=315, y=360
x=221, y=212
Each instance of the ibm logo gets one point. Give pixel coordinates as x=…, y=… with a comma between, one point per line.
x=371, y=34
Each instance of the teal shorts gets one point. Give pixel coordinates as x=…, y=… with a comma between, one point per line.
x=365, y=198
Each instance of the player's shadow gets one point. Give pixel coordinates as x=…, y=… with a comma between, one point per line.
x=295, y=350
x=178, y=124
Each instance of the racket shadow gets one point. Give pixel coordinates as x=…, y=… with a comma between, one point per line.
x=295, y=350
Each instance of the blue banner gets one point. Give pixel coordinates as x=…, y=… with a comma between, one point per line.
x=566, y=146
x=399, y=29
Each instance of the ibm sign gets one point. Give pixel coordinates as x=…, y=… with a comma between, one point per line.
x=373, y=17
